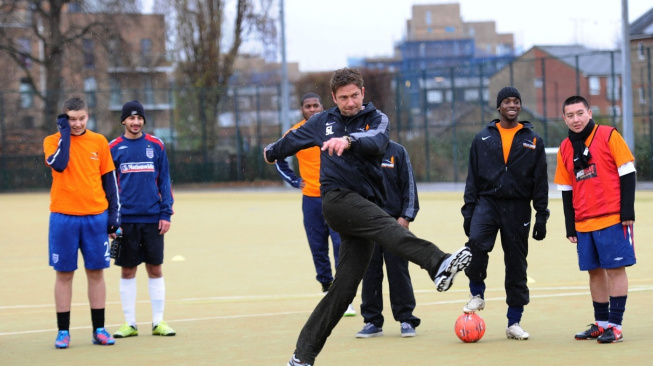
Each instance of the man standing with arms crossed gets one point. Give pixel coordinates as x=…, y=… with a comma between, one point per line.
x=144, y=181
x=507, y=170
x=353, y=139
x=402, y=204
x=597, y=177
x=85, y=207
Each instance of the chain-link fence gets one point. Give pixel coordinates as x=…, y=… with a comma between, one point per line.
x=218, y=135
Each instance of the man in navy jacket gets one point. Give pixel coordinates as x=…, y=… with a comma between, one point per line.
x=353, y=137
x=144, y=181
x=402, y=204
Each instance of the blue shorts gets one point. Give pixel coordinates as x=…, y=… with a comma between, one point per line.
x=69, y=234
x=612, y=247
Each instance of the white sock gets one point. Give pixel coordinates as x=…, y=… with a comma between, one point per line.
x=128, y=299
x=603, y=324
x=157, y=297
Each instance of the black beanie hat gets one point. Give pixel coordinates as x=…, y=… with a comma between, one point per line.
x=507, y=92
x=132, y=108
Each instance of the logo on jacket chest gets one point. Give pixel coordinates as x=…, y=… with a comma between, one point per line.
x=388, y=163
x=140, y=167
x=149, y=152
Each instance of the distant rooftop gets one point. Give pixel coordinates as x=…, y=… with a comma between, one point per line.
x=590, y=62
x=643, y=26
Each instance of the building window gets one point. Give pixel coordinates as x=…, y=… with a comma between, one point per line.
x=595, y=85
x=26, y=94
x=450, y=29
x=537, y=83
x=596, y=111
x=74, y=7
x=471, y=95
x=641, y=54
x=428, y=17
x=149, y=91
x=641, y=96
x=612, y=93
x=146, y=51
x=614, y=111
x=91, y=123
x=114, y=53
x=25, y=48
x=114, y=94
x=87, y=51
x=90, y=87
x=434, y=96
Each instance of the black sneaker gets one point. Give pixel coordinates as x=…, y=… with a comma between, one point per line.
x=611, y=335
x=326, y=286
x=593, y=332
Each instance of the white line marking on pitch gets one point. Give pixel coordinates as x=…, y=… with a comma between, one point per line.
x=632, y=289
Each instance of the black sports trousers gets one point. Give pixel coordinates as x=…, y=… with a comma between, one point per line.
x=402, y=297
x=512, y=217
x=360, y=224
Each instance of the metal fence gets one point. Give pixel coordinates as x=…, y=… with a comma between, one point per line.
x=434, y=113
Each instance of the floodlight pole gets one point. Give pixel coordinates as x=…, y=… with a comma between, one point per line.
x=626, y=79
x=285, y=95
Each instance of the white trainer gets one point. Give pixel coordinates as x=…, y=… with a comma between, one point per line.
x=450, y=267
x=475, y=303
x=350, y=311
x=515, y=331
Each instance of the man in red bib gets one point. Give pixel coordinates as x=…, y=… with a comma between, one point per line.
x=597, y=177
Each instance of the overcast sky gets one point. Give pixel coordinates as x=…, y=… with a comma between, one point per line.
x=322, y=34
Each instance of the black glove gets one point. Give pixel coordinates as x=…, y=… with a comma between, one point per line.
x=467, y=224
x=114, y=222
x=539, y=230
x=62, y=122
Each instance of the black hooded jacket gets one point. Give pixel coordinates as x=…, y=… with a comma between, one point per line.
x=524, y=176
x=357, y=169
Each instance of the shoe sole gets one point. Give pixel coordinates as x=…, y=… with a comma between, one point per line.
x=409, y=335
x=371, y=335
x=470, y=311
x=102, y=344
x=586, y=339
x=615, y=341
x=457, y=264
x=518, y=338
x=60, y=347
x=127, y=336
x=165, y=335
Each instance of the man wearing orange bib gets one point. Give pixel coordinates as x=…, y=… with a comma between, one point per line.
x=597, y=177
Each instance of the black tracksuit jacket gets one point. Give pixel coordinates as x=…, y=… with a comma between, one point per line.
x=523, y=176
x=357, y=169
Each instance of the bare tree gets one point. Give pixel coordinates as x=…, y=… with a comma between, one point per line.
x=56, y=30
x=209, y=35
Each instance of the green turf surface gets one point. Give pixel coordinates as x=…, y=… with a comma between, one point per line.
x=241, y=283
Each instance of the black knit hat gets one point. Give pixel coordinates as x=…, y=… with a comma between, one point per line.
x=132, y=108
x=507, y=92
